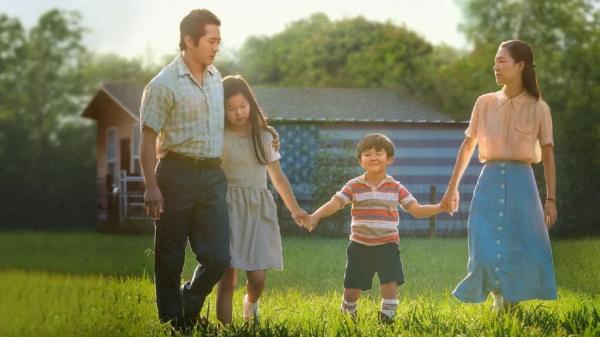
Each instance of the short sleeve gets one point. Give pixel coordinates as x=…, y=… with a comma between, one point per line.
x=157, y=101
x=545, y=136
x=272, y=154
x=345, y=194
x=404, y=196
x=471, y=130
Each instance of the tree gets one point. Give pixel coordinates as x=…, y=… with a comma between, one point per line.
x=332, y=170
x=346, y=53
x=41, y=84
x=112, y=67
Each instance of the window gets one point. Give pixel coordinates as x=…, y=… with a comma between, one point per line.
x=111, y=151
x=135, y=149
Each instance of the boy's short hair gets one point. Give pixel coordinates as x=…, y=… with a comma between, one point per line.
x=377, y=141
x=194, y=24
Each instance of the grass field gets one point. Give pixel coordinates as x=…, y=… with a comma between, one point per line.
x=88, y=284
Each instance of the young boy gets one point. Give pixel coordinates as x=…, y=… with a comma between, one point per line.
x=374, y=232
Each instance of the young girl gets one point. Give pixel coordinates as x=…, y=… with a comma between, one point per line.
x=509, y=248
x=248, y=154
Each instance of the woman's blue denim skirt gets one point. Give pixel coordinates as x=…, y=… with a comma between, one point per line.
x=509, y=248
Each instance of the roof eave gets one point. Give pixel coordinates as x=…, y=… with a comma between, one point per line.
x=370, y=121
x=120, y=104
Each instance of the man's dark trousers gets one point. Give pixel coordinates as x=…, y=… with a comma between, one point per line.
x=194, y=197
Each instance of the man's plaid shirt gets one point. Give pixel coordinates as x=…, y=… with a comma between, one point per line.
x=189, y=119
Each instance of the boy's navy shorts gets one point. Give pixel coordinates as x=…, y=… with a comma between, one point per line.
x=365, y=261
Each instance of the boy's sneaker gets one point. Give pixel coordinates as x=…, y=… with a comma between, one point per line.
x=385, y=319
x=352, y=314
x=349, y=308
x=250, y=310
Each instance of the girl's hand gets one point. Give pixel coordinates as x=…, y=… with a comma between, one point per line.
x=550, y=213
x=300, y=217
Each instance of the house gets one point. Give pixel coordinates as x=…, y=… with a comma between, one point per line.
x=319, y=129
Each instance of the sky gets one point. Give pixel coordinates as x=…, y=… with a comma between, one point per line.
x=150, y=28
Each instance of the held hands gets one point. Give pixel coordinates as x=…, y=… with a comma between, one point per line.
x=550, y=213
x=311, y=223
x=153, y=202
x=448, y=209
x=300, y=216
x=305, y=220
x=450, y=201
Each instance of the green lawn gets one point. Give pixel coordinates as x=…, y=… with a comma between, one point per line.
x=88, y=284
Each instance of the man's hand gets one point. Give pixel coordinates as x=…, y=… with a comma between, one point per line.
x=276, y=141
x=153, y=202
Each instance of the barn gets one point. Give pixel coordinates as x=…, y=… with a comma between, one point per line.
x=319, y=129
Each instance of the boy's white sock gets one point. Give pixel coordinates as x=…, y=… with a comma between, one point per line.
x=250, y=309
x=388, y=306
x=349, y=307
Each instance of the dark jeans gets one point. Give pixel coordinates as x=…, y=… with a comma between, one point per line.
x=195, y=209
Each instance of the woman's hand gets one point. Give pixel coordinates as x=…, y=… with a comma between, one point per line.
x=451, y=201
x=550, y=213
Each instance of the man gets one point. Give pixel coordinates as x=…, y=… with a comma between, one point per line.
x=182, y=107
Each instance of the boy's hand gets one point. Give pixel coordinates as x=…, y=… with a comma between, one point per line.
x=311, y=223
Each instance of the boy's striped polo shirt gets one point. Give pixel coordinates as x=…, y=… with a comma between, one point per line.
x=374, y=209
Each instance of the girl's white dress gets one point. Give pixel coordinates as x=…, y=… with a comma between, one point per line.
x=255, y=239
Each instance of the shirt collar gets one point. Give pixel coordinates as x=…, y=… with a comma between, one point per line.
x=182, y=68
x=387, y=179
x=501, y=98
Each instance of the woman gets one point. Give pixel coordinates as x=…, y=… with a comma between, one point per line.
x=509, y=248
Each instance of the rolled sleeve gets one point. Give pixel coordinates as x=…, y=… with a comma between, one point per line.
x=272, y=154
x=545, y=136
x=157, y=101
x=345, y=194
x=404, y=197
x=471, y=130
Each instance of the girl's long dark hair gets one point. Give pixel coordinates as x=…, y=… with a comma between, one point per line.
x=521, y=51
x=233, y=85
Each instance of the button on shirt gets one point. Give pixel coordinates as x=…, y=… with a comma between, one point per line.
x=188, y=118
x=510, y=129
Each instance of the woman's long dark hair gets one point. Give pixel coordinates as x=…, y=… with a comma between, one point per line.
x=234, y=85
x=521, y=51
